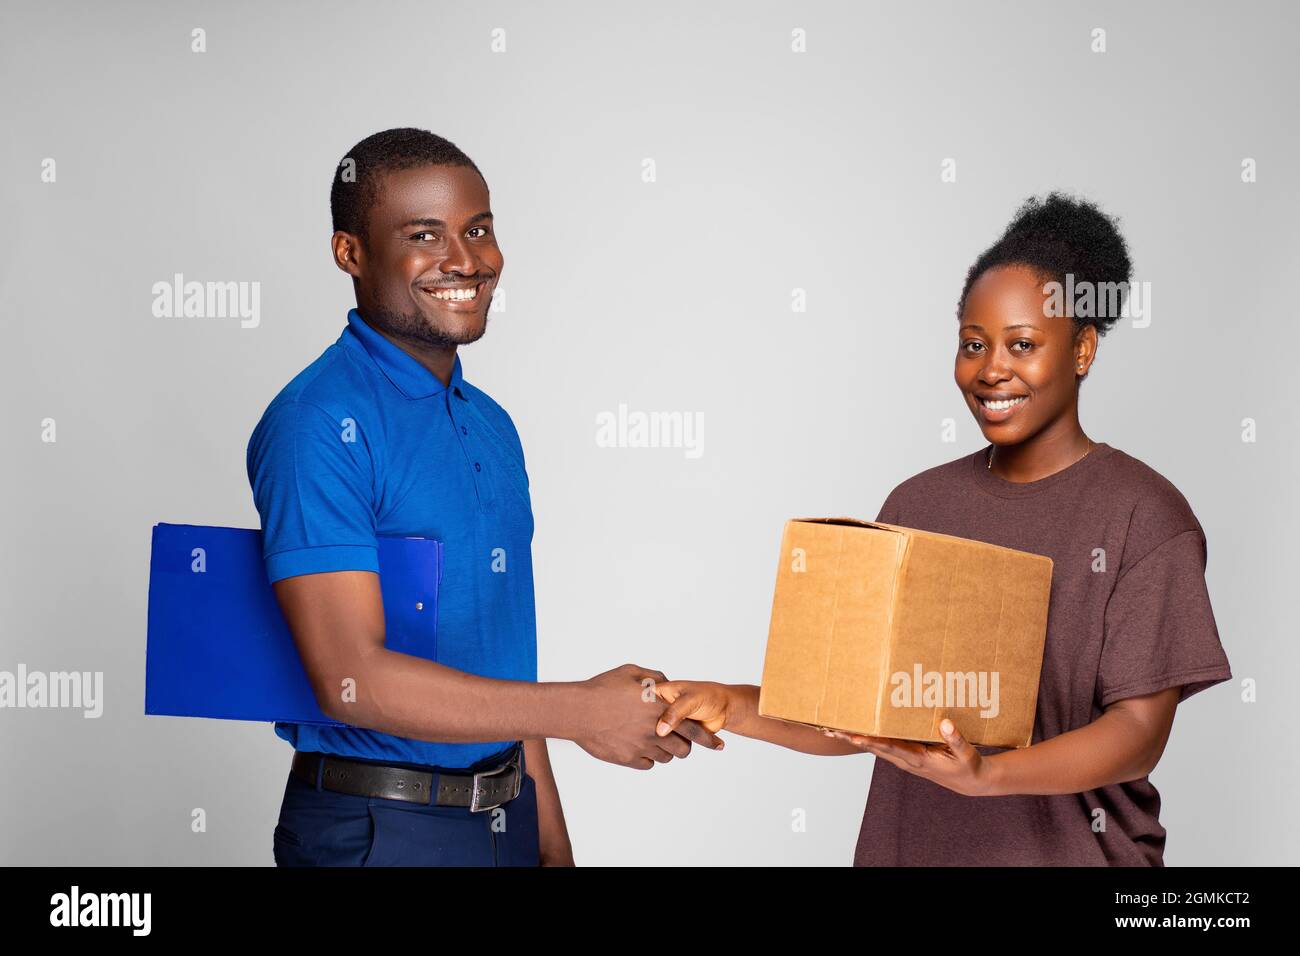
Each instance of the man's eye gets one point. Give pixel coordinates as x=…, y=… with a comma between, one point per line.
x=481, y=230
x=419, y=235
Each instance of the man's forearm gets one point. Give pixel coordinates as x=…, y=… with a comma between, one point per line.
x=553, y=834
x=419, y=699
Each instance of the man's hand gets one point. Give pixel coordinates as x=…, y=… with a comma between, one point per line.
x=955, y=764
x=715, y=706
x=620, y=727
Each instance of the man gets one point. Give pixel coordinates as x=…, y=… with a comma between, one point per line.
x=444, y=760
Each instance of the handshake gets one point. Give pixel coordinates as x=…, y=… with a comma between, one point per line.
x=637, y=717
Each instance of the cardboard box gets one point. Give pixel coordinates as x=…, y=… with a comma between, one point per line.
x=883, y=630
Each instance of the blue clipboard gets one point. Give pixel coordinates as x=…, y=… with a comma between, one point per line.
x=218, y=644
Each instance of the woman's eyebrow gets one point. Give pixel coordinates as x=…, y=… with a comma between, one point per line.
x=1005, y=328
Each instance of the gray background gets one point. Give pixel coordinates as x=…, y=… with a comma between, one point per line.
x=776, y=170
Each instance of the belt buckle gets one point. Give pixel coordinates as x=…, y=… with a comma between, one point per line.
x=511, y=764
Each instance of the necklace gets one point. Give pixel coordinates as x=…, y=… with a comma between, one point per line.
x=1091, y=445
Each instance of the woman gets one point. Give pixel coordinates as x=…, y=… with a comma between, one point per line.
x=1130, y=631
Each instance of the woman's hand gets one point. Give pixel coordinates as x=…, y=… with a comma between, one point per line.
x=956, y=764
x=734, y=707
x=716, y=706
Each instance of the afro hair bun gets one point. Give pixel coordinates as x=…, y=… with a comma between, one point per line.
x=1067, y=239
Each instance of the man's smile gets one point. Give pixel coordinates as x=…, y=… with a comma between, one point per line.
x=461, y=297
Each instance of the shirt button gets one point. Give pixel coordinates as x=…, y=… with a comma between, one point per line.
x=419, y=605
x=464, y=430
x=477, y=466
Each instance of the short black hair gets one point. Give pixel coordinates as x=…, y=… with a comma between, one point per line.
x=1059, y=235
x=356, y=178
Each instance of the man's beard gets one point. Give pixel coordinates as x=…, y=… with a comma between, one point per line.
x=414, y=327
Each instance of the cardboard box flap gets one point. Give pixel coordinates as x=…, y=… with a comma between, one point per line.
x=855, y=523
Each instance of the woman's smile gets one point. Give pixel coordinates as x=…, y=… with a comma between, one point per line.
x=996, y=409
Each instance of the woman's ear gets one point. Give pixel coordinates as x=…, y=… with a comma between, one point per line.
x=1085, y=349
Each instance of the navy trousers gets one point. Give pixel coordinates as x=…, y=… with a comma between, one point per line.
x=319, y=827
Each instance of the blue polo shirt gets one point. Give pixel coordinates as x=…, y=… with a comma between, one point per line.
x=366, y=441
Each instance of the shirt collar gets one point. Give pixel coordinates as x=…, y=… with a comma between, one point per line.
x=406, y=372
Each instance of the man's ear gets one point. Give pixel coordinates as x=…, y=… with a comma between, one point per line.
x=349, y=255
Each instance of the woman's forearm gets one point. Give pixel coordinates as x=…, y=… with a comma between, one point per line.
x=809, y=740
x=1114, y=748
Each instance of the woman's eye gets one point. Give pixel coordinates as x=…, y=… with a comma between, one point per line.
x=969, y=346
x=1025, y=342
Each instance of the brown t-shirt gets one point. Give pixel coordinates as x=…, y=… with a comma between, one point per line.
x=1130, y=619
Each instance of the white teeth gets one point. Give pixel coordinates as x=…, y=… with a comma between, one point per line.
x=456, y=295
x=1001, y=404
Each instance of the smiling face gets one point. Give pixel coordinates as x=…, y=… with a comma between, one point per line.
x=1017, y=366
x=429, y=262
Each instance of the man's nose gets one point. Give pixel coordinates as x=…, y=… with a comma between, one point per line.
x=460, y=258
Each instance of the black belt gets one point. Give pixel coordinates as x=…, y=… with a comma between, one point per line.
x=483, y=790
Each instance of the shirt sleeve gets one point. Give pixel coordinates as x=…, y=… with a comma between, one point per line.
x=312, y=481
x=889, y=510
x=1159, y=627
